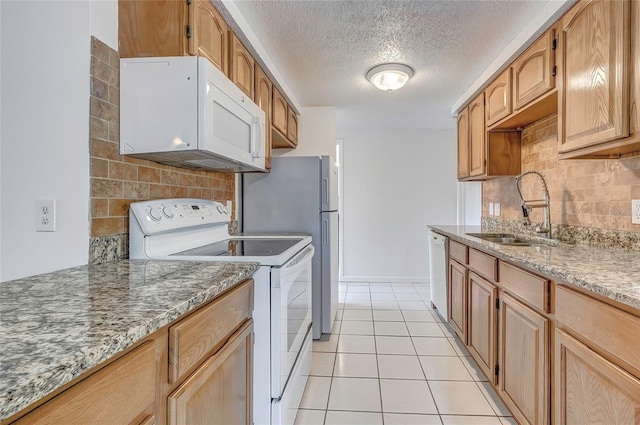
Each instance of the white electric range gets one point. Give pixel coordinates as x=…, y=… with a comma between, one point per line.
x=197, y=230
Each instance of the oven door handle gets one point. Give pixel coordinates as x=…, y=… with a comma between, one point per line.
x=297, y=263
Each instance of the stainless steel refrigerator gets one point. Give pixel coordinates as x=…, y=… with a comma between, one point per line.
x=301, y=195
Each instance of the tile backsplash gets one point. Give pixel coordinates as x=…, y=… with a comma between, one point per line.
x=117, y=181
x=593, y=194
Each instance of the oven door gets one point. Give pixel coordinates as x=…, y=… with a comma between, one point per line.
x=290, y=316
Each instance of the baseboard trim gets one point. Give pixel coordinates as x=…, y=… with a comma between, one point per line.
x=385, y=279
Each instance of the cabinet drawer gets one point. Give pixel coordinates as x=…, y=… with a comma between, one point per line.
x=459, y=252
x=192, y=338
x=116, y=394
x=484, y=264
x=602, y=326
x=528, y=287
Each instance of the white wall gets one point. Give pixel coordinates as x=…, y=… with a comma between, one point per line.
x=395, y=183
x=316, y=133
x=44, y=84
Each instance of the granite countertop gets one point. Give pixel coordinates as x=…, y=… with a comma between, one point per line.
x=56, y=326
x=612, y=273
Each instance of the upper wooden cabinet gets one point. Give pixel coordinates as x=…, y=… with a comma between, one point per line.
x=463, y=144
x=172, y=28
x=284, y=122
x=292, y=125
x=241, y=66
x=634, y=119
x=533, y=71
x=593, y=61
x=476, y=136
x=209, y=34
x=262, y=98
x=498, y=98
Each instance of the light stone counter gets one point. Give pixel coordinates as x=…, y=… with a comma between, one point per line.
x=56, y=326
x=612, y=273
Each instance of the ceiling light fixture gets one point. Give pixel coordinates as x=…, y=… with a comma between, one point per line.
x=389, y=76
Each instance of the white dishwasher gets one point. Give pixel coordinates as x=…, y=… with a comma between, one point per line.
x=438, y=273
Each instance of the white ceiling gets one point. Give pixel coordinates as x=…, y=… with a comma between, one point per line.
x=323, y=49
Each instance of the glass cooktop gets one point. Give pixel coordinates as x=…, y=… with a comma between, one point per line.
x=242, y=248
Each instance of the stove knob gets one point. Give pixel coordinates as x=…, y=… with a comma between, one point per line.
x=154, y=214
x=167, y=212
x=221, y=209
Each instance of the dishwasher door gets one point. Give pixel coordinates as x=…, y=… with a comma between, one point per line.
x=438, y=273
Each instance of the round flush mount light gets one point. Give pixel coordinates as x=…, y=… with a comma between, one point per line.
x=389, y=76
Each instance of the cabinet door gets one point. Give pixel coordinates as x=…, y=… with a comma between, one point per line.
x=524, y=361
x=476, y=136
x=458, y=299
x=241, y=66
x=590, y=389
x=533, y=71
x=208, y=34
x=498, y=97
x=593, y=87
x=279, y=112
x=463, y=144
x=482, y=323
x=151, y=28
x=263, y=100
x=292, y=125
x=219, y=391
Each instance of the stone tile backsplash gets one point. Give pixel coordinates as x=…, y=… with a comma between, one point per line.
x=117, y=181
x=590, y=199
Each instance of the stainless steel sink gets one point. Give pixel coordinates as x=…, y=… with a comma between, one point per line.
x=502, y=239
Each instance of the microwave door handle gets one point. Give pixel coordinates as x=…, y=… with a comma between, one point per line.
x=255, y=150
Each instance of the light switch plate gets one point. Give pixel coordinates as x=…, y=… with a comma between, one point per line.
x=635, y=211
x=490, y=208
x=496, y=209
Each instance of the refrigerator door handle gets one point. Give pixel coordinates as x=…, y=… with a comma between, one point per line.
x=325, y=191
x=325, y=231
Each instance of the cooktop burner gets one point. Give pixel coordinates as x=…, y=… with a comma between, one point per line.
x=242, y=248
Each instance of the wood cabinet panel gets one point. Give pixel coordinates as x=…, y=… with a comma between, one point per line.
x=152, y=28
x=292, y=126
x=458, y=252
x=118, y=393
x=634, y=101
x=484, y=264
x=589, y=389
x=476, y=137
x=279, y=112
x=209, y=34
x=498, y=98
x=219, y=391
x=262, y=98
x=482, y=323
x=241, y=66
x=463, y=143
x=458, y=299
x=195, y=336
x=593, y=85
x=606, y=328
x=524, y=377
x=533, y=71
x=532, y=289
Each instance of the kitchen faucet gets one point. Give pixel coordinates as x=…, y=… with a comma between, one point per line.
x=528, y=205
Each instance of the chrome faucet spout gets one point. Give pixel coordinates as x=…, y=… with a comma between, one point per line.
x=527, y=206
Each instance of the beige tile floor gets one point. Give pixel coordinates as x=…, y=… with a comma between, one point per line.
x=391, y=360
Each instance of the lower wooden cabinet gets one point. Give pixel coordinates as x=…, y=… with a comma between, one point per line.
x=523, y=356
x=590, y=389
x=458, y=299
x=482, y=322
x=219, y=391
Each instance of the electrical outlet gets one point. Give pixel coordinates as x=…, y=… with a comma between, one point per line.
x=490, y=208
x=635, y=211
x=45, y=215
x=496, y=209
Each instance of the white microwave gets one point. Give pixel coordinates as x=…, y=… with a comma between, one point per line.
x=183, y=111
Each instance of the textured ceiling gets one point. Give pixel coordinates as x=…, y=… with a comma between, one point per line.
x=323, y=50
